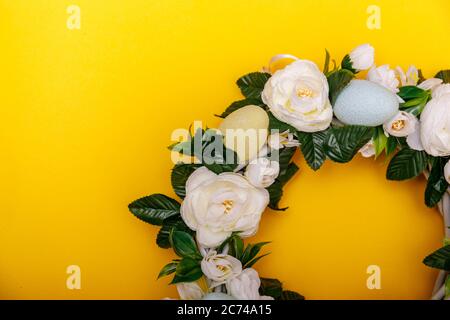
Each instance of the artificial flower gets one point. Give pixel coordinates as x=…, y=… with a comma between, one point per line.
x=384, y=76
x=262, y=172
x=430, y=84
x=362, y=57
x=401, y=125
x=435, y=123
x=190, y=291
x=246, y=286
x=413, y=139
x=447, y=171
x=298, y=95
x=277, y=141
x=410, y=78
x=215, y=206
x=220, y=267
x=368, y=150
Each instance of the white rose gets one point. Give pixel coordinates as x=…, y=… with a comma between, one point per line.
x=430, y=84
x=298, y=95
x=401, y=125
x=262, y=172
x=362, y=57
x=190, y=291
x=441, y=90
x=246, y=286
x=384, y=76
x=368, y=150
x=215, y=206
x=435, y=123
x=220, y=267
x=278, y=141
x=447, y=171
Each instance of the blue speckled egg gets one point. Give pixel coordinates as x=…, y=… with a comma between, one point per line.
x=365, y=103
x=218, y=296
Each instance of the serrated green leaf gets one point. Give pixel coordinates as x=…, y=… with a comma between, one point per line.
x=348, y=65
x=444, y=75
x=168, y=269
x=240, y=104
x=155, y=209
x=440, y=259
x=163, y=237
x=180, y=174
x=406, y=164
x=287, y=173
x=271, y=287
x=312, y=146
x=188, y=270
x=341, y=144
x=275, y=195
x=252, y=84
x=391, y=145
x=337, y=81
x=184, y=245
x=280, y=126
x=255, y=260
x=411, y=92
x=437, y=184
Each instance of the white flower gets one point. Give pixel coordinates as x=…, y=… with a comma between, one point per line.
x=246, y=286
x=384, y=76
x=362, y=57
x=413, y=140
x=277, y=141
x=447, y=171
x=190, y=291
x=401, y=125
x=262, y=172
x=410, y=78
x=217, y=205
x=220, y=267
x=435, y=123
x=368, y=150
x=298, y=95
x=430, y=84
x=441, y=90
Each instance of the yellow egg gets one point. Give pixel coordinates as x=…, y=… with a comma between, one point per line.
x=245, y=131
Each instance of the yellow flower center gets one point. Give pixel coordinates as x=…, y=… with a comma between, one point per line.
x=228, y=205
x=305, y=93
x=398, y=125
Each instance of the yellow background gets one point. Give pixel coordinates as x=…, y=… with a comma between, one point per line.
x=86, y=116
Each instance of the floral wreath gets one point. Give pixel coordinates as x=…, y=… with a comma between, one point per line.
x=326, y=114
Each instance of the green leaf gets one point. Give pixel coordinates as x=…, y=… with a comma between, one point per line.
x=287, y=173
x=380, y=141
x=341, y=144
x=411, y=92
x=326, y=65
x=271, y=287
x=155, y=209
x=406, y=164
x=444, y=75
x=180, y=174
x=188, y=270
x=168, y=269
x=251, y=252
x=240, y=104
x=255, y=260
x=291, y=295
x=437, y=184
x=337, y=81
x=275, y=124
x=163, y=237
x=275, y=194
x=184, y=245
x=312, y=146
x=440, y=259
x=348, y=65
x=252, y=84
x=391, y=145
